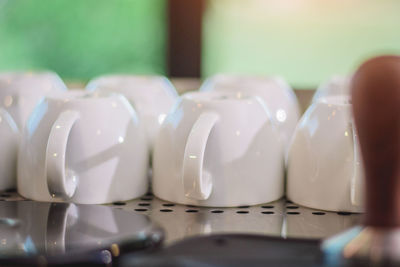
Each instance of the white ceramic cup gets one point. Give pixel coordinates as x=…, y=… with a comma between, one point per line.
x=337, y=85
x=20, y=92
x=324, y=165
x=151, y=96
x=85, y=148
x=278, y=96
x=9, y=140
x=216, y=149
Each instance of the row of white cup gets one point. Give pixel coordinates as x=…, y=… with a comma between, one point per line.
x=227, y=147
x=83, y=146
x=222, y=146
x=324, y=162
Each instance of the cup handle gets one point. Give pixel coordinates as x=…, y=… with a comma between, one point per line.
x=56, y=227
x=355, y=186
x=198, y=185
x=60, y=184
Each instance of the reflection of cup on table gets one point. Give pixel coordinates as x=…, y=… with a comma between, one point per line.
x=9, y=140
x=266, y=219
x=308, y=223
x=32, y=229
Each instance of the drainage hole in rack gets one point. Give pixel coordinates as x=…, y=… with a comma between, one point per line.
x=292, y=207
x=289, y=202
x=220, y=241
x=344, y=213
x=217, y=211
x=318, y=213
x=268, y=212
x=191, y=206
x=119, y=203
x=166, y=210
x=293, y=213
x=144, y=204
x=168, y=205
x=268, y=207
x=12, y=190
x=242, y=212
x=192, y=211
x=244, y=207
x=140, y=209
x=5, y=195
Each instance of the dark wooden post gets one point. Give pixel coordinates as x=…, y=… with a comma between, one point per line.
x=184, y=37
x=376, y=108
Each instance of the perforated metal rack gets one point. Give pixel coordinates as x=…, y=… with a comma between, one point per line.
x=280, y=218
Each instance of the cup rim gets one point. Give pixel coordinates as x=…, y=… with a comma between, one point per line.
x=218, y=96
x=226, y=81
x=26, y=73
x=337, y=100
x=127, y=83
x=81, y=95
x=129, y=80
x=128, y=76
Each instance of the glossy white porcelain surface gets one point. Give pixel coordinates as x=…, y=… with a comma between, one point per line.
x=218, y=149
x=9, y=140
x=151, y=96
x=338, y=85
x=279, y=98
x=324, y=165
x=83, y=147
x=20, y=92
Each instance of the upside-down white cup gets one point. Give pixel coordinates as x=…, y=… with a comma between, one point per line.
x=151, y=96
x=338, y=85
x=279, y=98
x=9, y=140
x=20, y=92
x=83, y=147
x=216, y=149
x=324, y=165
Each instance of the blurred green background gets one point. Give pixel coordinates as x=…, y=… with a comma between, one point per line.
x=306, y=41
x=85, y=38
